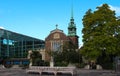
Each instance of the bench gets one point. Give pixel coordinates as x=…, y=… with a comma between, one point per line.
x=55, y=70
x=34, y=69
x=71, y=70
x=50, y=70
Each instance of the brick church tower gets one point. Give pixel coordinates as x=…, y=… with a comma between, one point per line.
x=72, y=31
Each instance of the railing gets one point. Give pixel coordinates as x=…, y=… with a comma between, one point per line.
x=55, y=70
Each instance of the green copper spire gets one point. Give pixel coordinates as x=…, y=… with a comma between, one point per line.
x=72, y=26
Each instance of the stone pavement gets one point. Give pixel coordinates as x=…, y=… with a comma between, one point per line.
x=83, y=72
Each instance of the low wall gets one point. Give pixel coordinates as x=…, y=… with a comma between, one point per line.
x=98, y=67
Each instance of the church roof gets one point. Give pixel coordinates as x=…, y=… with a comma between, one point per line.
x=56, y=30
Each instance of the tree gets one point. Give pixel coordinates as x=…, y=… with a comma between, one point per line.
x=69, y=54
x=101, y=33
x=36, y=58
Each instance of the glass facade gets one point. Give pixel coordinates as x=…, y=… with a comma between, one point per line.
x=15, y=45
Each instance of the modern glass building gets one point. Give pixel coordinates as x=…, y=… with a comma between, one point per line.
x=15, y=45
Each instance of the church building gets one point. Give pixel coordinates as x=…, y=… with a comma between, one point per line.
x=57, y=38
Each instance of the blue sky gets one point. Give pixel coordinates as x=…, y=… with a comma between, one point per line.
x=37, y=18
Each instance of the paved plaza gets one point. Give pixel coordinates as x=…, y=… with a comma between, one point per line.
x=80, y=72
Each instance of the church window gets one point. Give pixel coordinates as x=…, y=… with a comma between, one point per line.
x=56, y=45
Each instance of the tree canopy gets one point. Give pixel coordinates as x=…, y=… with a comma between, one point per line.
x=101, y=33
x=68, y=55
x=36, y=58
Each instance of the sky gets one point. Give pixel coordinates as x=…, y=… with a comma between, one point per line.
x=36, y=18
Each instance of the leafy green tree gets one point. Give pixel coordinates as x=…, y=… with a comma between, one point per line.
x=68, y=54
x=36, y=58
x=101, y=34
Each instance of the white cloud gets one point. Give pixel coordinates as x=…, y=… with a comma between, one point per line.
x=116, y=9
x=2, y=27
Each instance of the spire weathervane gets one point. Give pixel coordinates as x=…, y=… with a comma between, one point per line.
x=56, y=26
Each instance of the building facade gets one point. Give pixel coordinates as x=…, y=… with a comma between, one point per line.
x=55, y=41
x=15, y=45
x=57, y=38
